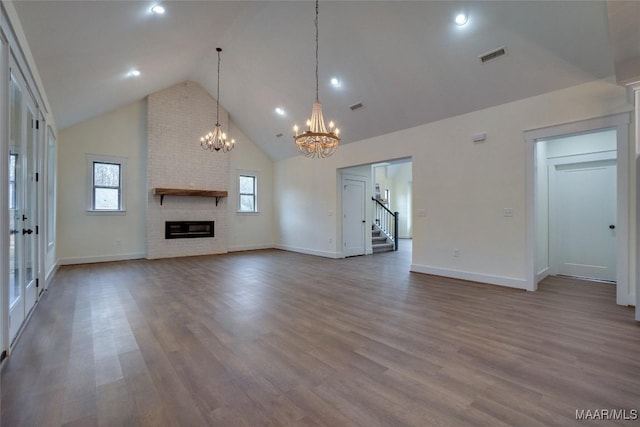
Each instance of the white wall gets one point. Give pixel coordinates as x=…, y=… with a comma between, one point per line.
x=176, y=119
x=84, y=236
x=462, y=186
x=401, y=197
x=573, y=145
x=250, y=230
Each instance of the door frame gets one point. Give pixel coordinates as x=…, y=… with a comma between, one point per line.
x=619, y=122
x=367, y=224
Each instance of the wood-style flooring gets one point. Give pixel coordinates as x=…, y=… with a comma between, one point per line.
x=278, y=338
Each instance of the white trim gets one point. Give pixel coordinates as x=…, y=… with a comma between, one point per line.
x=251, y=247
x=4, y=192
x=620, y=122
x=542, y=274
x=325, y=254
x=50, y=275
x=100, y=258
x=99, y=158
x=256, y=176
x=510, y=282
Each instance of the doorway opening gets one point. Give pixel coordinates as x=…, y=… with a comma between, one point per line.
x=369, y=196
x=576, y=205
x=577, y=199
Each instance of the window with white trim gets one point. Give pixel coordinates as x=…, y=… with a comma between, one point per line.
x=247, y=191
x=106, y=178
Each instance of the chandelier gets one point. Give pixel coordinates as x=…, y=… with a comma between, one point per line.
x=216, y=140
x=316, y=141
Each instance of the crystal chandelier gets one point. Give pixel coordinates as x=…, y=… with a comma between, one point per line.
x=216, y=140
x=316, y=141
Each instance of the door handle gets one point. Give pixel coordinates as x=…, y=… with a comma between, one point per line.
x=364, y=220
x=24, y=217
x=612, y=227
x=12, y=232
x=28, y=231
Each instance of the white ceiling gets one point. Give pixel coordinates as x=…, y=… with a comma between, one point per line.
x=407, y=62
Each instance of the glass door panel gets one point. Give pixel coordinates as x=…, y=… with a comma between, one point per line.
x=29, y=215
x=16, y=185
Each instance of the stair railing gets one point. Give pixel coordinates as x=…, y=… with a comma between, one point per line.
x=386, y=220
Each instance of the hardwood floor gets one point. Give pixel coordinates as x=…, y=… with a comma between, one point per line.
x=278, y=338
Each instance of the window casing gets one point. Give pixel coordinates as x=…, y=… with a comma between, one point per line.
x=247, y=192
x=106, y=178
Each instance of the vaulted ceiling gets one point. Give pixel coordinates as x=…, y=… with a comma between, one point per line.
x=408, y=63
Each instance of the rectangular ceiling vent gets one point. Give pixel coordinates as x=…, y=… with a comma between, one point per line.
x=357, y=106
x=279, y=135
x=494, y=54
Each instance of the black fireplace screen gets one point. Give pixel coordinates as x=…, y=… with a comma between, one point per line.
x=187, y=229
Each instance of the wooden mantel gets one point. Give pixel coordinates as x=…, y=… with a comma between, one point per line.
x=189, y=192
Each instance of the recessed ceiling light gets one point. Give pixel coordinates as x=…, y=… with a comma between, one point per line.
x=157, y=9
x=335, y=82
x=461, y=19
x=133, y=73
x=279, y=111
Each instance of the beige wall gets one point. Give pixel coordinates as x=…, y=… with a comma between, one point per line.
x=83, y=236
x=250, y=230
x=462, y=186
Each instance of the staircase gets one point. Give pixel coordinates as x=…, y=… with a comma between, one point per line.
x=380, y=242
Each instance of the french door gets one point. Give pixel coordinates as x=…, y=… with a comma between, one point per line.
x=23, y=197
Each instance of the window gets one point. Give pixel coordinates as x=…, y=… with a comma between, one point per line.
x=106, y=183
x=247, y=192
x=13, y=159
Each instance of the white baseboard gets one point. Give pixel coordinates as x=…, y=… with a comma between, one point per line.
x=100, y=258
x=509, y=282
x=251, y=247
x=325, y=254
x=542, y=274
x=50, y=274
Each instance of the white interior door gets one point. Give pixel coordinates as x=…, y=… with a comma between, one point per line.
x=583, y=209
x=354, y=216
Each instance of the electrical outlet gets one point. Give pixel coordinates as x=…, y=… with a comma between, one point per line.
x=456, y=253
x=508, y=212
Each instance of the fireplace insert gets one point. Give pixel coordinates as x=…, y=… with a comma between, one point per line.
x=188, y=229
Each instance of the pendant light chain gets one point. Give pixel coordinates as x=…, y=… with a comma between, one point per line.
x=218, y=95
x=216, y=140
x=316, y=140
x=316, y=22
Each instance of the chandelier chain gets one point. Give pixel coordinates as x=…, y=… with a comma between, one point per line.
x=316, y=22
x=216, y=139
x=316, y=140
x=218, y=90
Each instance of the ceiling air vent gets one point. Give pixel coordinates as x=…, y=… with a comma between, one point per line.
x=279, y=135
x=357, y=106
x=496, y=53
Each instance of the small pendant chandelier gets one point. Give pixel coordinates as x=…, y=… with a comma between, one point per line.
x=216, y=140
x=316, y=141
